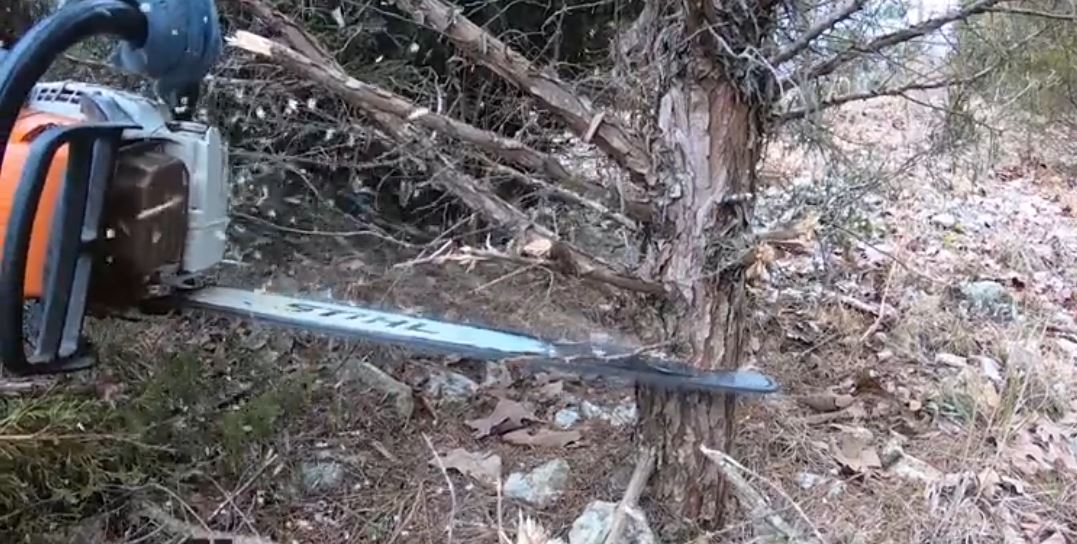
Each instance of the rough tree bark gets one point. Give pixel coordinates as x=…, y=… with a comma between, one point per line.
x=710, y=128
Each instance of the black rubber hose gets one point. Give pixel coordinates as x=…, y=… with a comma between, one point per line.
x=20, y=70
x=33, y=54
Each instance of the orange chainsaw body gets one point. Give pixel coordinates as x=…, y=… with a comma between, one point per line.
x=28, y=125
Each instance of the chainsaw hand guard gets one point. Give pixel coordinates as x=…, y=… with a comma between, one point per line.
x=76, y=223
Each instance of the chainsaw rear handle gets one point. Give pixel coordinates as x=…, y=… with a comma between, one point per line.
x=92, y=150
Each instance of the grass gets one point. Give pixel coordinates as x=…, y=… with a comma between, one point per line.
x=65, y=456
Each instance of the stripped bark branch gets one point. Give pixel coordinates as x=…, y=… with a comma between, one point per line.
x=894, y=38
x=801, y=43
x=577, y=112
x=799, y=113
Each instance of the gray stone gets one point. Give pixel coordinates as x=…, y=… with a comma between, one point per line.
x=540, y=487
x=594, y=523
x=319, y=477
x=990, y=299
x=949, y=359
x=808, y=480
x=622, y=415
x=374, y=377
x=944, y=220
x=451, y=385
x=566, y=417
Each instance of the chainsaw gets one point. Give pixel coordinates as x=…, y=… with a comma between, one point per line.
x=109, y=202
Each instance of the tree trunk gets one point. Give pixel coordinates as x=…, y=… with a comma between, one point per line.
x=713, y=134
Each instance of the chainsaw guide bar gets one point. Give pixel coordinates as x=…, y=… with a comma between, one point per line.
x=434, y=335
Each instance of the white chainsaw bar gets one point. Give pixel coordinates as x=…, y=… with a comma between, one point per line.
x=470, y=340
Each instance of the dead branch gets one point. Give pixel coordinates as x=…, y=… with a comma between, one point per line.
x=753, y=499
x=800, y=113
x=801, y=43
x=576, y=111
x=894, y=38
x=191, y=531
x=630, y=501
x=563, y=257
x=370, y=97
x=1036, y=13
x=553, y=255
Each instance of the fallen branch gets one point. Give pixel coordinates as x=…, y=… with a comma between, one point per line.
x=193, y=532
x=855, y=51
x=370, y=97
x=562, y=256
x=577, y=112
x=800, y=113
x=732, y=471
x=882, y=310
x=630, y=502
x=802, y=43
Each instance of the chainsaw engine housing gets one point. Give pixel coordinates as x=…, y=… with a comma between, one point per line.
x=166, y=207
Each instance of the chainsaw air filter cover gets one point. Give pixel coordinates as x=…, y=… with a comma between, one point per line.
x=171, y=180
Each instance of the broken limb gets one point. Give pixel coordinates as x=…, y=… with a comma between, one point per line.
x=370, y=97
x=753, y=500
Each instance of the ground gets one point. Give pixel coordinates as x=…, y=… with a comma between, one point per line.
x=926, y=364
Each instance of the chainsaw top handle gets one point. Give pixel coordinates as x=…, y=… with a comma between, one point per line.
x=91, y=151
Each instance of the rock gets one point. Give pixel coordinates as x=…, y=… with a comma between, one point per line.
x=593, y=524
x=591, y=410
x=836, y=489
x=808, y=480
x=990, y=368
x=566, y=417
x=949, y=359
x=318, y=477
x=625, y=414
x=1067, y=346
x=451, y=385
x=372, y=376
x=944, y=220
x=990, y=299
x=540, y=487
x=622, y=415
x=496, y=374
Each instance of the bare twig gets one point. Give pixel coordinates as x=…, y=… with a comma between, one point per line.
x=882, y=314
x=448, y=482
x=754, y=500
x=801, y=43
x=1036, y=13
x=630, y=502
x=891, y=39
x=881, y=92
x=191, y=531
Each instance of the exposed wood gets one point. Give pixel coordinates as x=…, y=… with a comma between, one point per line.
x=630, y=501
